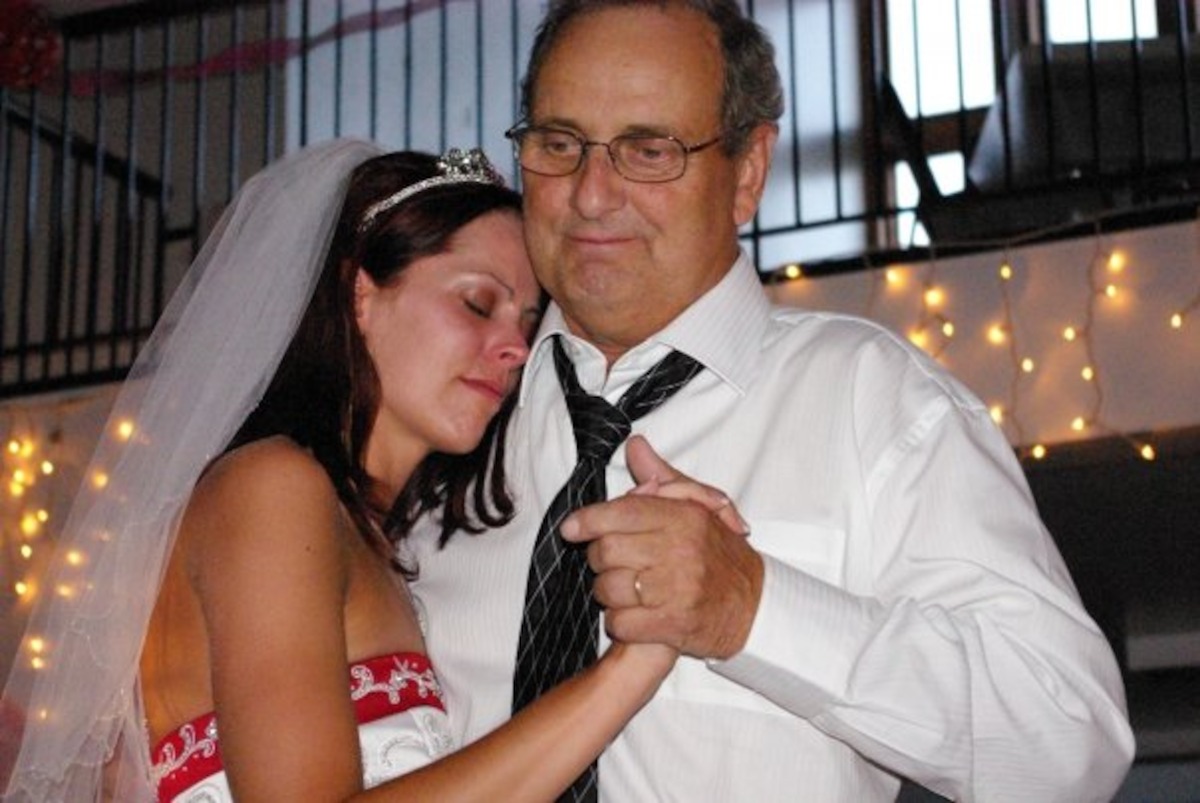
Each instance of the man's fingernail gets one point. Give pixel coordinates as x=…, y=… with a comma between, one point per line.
x=569, y=528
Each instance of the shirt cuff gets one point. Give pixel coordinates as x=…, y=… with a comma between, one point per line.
x=803, y=642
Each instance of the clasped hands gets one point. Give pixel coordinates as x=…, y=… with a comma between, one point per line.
x=672, y=562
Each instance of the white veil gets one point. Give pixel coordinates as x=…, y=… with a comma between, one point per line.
x=210, y=358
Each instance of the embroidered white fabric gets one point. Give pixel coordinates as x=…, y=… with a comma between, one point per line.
x=203, y=369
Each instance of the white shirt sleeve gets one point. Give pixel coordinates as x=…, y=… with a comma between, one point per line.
x=972, y=656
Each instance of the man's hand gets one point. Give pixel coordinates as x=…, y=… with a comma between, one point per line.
x=671, y=560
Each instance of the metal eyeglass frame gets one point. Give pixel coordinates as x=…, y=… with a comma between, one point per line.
x=517, y=133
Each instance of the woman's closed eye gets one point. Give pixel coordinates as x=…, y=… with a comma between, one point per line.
x=481, y=303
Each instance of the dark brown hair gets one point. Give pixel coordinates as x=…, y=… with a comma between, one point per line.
x=325, y=393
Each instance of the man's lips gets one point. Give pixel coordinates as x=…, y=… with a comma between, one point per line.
x=598, y=240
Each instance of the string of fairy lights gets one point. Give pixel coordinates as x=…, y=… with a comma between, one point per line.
x=934, y=331
x=42, y=469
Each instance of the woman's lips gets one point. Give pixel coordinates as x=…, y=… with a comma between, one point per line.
x=493, y=390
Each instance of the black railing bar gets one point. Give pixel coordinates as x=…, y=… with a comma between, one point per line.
x=200, y=129
x=1184, y=47
x=1091, y=50
x=114, y=166
x=479, y=90
x=74, y=268
x=122, y=17
x=755, y=240
x=443, y=74
x=56, y=253
x=794, y=109
x=233, y=172
x=166, y=146
x=5, y=198
x=97, y=213
x=918, y=114
x=1047, y=53
x=338, y=54
x=32, y=187
x=270, y=76
x=961, y=114
x=127, y=210
x=373, y=71
x=1001, y=47
x=408, y=75
x=1136, y=52
x=876, y=52
x=138, y=265
x=514, y=16
x=303, y=91
x=838, y=192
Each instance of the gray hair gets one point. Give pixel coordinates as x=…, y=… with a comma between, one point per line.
x=752, y=93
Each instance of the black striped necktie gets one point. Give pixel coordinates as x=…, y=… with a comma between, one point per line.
x=560, y=627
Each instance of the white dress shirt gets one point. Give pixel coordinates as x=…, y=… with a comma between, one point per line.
x=916, y=618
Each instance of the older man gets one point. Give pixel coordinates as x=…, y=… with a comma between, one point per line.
x=897, y=609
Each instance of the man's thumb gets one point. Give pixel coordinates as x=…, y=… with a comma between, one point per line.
x=645, y=464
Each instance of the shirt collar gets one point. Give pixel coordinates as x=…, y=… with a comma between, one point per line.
x=723, y=329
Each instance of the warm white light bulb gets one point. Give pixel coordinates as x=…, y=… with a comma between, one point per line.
x=1147, y=452
x=1027, y=365
x=1038, y=451
x=1088, y=373
x=995, y=334
x=124, y=429
x=1177, y=320
x=1069, y=334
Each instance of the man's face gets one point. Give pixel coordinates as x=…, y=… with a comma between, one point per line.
x=621, y=258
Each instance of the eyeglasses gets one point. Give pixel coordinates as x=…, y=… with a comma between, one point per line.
x=646, y=158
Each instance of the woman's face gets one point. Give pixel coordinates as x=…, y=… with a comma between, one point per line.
x=447, y=340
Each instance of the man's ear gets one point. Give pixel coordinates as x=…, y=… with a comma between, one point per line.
x=753, y=165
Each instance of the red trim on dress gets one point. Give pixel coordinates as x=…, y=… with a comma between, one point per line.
x=379, y=687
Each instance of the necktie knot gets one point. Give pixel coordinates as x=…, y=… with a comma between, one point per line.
x=599, y=427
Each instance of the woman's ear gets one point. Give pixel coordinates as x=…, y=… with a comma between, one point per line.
x=365, y=290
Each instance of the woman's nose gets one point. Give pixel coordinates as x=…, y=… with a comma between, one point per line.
x=512, y=347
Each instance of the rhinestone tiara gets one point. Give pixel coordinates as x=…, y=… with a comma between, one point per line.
x=457, y=167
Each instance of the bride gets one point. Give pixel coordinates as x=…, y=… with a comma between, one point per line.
x=338, y=361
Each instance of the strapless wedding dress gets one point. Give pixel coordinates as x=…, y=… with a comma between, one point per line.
x=402, y=726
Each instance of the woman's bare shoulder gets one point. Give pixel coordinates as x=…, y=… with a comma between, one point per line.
x=268, y=466
x=267, y=495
